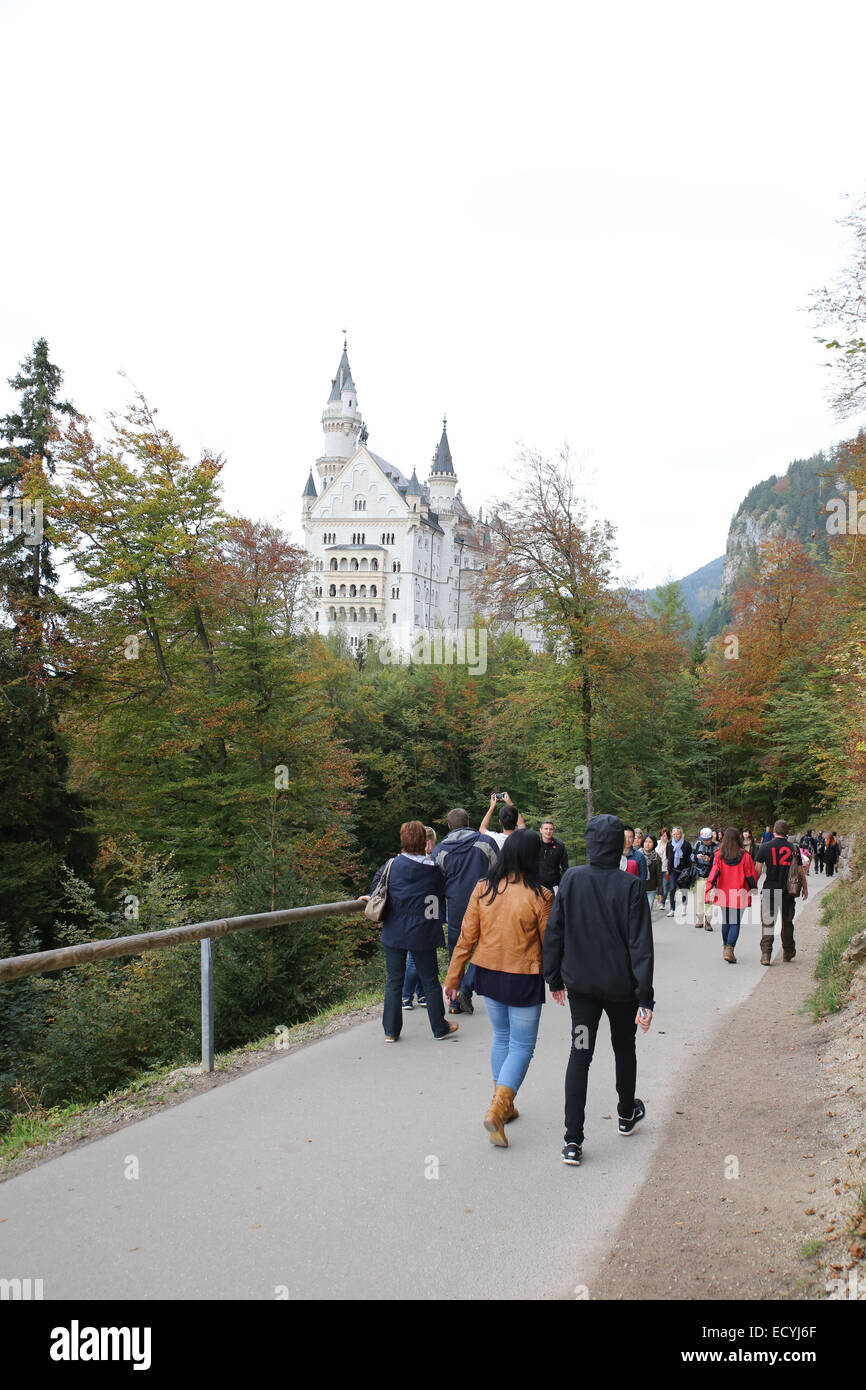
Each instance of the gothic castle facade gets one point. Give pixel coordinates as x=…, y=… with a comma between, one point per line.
x=392, y=557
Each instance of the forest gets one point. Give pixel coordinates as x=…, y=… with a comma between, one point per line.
x=176, y=745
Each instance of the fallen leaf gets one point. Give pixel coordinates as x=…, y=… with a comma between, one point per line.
x=810, y=1211
x=257, y=1227
x=856, y=1251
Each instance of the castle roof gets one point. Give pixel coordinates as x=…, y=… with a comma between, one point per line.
x=343, y=380
x=442, y=460
x=310, y=489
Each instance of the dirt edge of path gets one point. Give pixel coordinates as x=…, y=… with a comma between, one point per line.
x=753, y=1189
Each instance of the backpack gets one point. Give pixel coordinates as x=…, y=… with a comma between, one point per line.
x=794, y=884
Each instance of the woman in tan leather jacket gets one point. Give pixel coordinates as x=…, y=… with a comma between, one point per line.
x=504, y=926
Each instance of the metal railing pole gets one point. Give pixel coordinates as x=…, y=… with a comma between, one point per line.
x=207, y=1052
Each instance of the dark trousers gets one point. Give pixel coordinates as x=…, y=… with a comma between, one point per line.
x=771, y=900
x=586, y=1014
x=427, y=967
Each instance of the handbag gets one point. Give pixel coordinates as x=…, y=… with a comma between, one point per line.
x=687, y=876
x=378, y=900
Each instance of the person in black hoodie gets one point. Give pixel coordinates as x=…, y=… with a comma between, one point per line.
x=598, y=945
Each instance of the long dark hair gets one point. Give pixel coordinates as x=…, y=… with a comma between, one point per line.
x=731, y=847
x=519, y=855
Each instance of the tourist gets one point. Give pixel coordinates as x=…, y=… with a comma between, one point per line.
x=554, y=856
x=679, y=860
x=703, y=855
x=730, y=880
x=510, y=819
x=464, y=856
x=777, y=856
x=662, y=849
x=412, y=980
x=599, y=947
x=412, y=921
x=653, y=880
x=503, y=931
x=831, y=854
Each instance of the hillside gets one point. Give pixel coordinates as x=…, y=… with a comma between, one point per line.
x=700, y=589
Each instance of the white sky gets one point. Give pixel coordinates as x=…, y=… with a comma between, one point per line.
x=558, y=221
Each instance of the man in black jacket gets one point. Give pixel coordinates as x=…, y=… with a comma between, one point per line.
x=777, y=856
x=598, y=945
x=554, y=857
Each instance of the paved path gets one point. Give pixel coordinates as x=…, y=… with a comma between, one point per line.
x=310, y=1175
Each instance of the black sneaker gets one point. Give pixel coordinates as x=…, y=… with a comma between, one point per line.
x=571, y=1153
x=422, y=1002
x=466, y=1005
x=407, y=1003
x=626, y=1126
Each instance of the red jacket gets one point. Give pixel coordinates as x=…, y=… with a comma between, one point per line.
x=730, y=878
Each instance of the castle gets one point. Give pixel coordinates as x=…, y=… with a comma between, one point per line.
x=392, y=558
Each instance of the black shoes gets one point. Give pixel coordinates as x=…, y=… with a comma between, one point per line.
x=571, y=1153
x=466, y=1005
x=627, y=1125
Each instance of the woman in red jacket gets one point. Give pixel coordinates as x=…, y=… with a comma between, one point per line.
x=729, y=880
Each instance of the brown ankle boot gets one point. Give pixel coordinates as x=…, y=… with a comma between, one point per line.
x=494, y=1120
x=729, y=955
x=513, y=1112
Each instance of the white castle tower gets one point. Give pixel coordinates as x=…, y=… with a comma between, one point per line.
x=341, y=421
x=442, y=484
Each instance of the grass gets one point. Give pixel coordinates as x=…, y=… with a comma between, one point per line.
x=810, y=1247
x=843, y=912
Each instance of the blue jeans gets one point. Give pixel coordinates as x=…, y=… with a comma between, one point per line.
x=674, y=876
x=730, y=925
x=514, y=1033
x=412, y=980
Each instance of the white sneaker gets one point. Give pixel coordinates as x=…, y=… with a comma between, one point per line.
x=671, y=913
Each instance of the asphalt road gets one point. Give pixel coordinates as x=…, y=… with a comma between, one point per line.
x=357, y=1169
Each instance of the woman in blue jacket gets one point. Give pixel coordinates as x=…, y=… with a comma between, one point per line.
x=412, y=921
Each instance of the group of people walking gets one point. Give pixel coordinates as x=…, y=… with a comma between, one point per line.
x=519, y=917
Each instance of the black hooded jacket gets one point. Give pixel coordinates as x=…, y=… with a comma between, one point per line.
x=599, y=933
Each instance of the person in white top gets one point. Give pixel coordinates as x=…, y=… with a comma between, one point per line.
x=509, y=818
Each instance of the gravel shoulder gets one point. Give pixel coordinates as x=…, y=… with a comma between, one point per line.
x=752, y=1190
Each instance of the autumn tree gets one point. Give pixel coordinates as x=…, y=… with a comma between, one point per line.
x=841, y=305
x=553, y=565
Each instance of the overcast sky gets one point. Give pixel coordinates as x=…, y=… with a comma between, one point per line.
x=557, y=222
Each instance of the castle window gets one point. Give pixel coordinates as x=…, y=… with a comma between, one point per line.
x=353, y=564
x=332, y=615
x=353, y=591
x=342, y=615
x=363, y=615
x=364, y=562
x=317, y=617
x=333, y=564
x=393, y=617
x=332, y=591
x=374, y=564
x=353, y=615
x=344, y=563
x=362, y=592
x=373, y=618
x=373, y=591
x=394, y=566
x=342, y=591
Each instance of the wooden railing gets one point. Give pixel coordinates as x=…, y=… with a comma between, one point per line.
x=39, y=962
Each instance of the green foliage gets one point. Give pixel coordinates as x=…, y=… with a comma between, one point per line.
x=843, y=912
